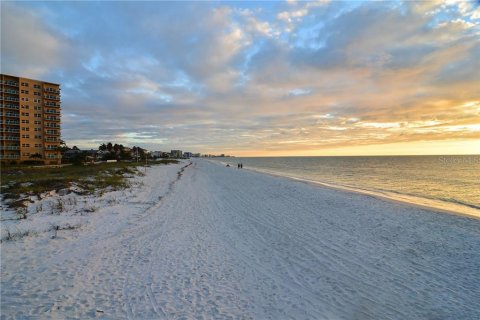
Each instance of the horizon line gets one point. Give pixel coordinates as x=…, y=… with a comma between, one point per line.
x=366, y=155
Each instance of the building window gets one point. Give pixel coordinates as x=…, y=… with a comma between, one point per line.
x=37, y=129
x=25, y=129
x=25, y=99
x=24, y=84
x=37, y=86
x=38, y=136
x=24, y=106
x=24, y=91
x=35, y=93
x=37, y=100
x=37, y=115
x=37, y=122
x=37, y=108
x=25, y=136
x=38, y=145
x=25, y=121
x=25, y=114
x=26, y=145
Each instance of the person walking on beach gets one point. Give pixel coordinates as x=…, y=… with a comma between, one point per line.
x=238, y=165
x=241, y=165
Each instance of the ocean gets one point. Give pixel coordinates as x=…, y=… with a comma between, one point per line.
x=445, y=182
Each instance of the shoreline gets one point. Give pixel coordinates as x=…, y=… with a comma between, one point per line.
x=245, y=244
x=429, y=204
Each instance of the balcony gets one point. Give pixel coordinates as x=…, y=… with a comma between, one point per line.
x=52, y=111
x=9, y=138
x=9, y=130
x=7, y=98
x=47, y=118
x=9, y=147
x=52, y=125
x=10, y=83
x=51, y=97
x=10, y=114
x=11, y=122
x=52, y=140
x=51, y=90
x=9, y=156
x=9, y=106
x=10, y=91
x=51, y=104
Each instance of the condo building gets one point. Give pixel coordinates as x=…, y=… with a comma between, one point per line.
x=29, y=120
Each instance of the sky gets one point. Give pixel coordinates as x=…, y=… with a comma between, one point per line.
x=256, y=78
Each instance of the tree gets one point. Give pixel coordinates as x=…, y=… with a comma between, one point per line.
x=109, y=147
x=63, y=147
x=102, y=147
x=75, y=148
x=141, y=152
x=123, y=154
x=79, y=158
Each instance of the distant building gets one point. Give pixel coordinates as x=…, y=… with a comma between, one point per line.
x=176, y=154
x=29, y=120
x=156, y=154
x=71, y=154
x=92, y=155
x=187, y=155
x=160, y=154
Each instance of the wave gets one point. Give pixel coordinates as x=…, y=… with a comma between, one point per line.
x=436, y=204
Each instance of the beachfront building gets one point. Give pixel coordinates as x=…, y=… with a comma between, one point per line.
x=84, y=155
x=187, y=155
x=156, y=154
x=176, y=154
x=29, y=120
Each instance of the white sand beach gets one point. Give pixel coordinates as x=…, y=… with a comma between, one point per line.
x=203, y=241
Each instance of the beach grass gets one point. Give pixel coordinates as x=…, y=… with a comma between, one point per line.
x=18, y=182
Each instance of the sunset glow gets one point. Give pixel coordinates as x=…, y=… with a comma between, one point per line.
x=257, y=78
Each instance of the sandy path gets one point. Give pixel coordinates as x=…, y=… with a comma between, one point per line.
x=216, y=242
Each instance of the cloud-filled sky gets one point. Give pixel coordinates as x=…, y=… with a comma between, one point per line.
x=256, y=78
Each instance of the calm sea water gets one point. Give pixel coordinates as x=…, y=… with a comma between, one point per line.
x=451, y=180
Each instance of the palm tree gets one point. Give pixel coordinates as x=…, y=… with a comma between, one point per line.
x=63, y=147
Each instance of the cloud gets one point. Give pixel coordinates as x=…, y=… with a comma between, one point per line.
x=233, y=78
x=299, y=92
x=29, y=47
x=290, y=16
